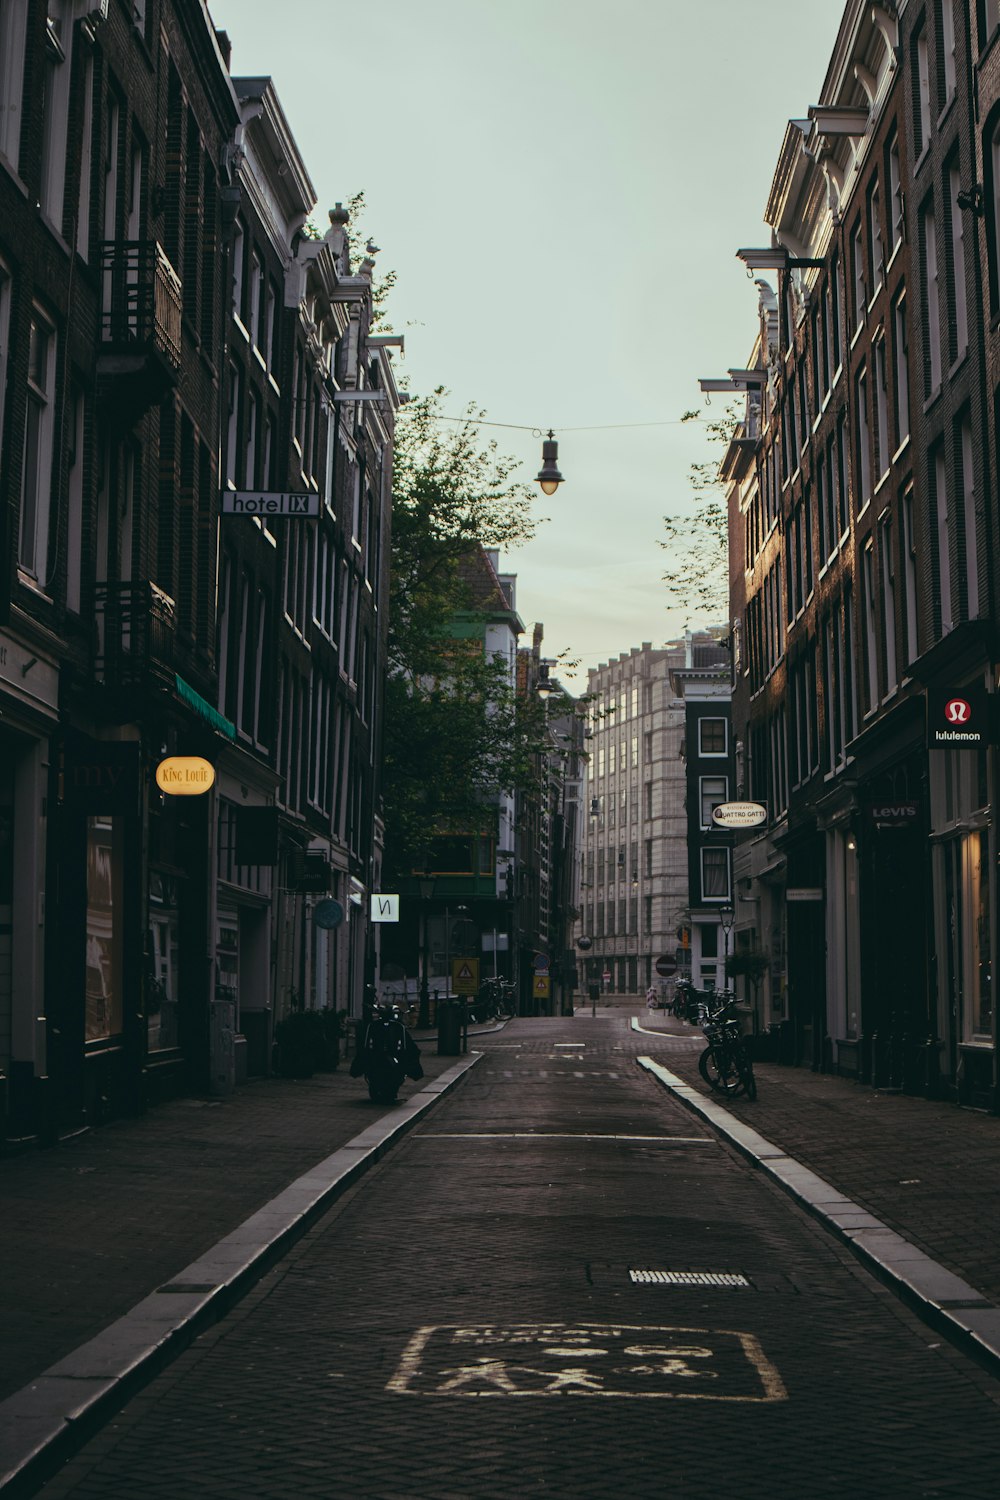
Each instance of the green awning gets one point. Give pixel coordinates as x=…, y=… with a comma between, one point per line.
x=203, y=708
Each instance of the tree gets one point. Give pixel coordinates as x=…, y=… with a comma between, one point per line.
x=697, y=579
x=457, y=732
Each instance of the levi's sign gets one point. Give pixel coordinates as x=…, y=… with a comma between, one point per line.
x=268, y=503
x=739, y=814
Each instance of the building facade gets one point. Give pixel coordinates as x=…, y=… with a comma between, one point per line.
x=639, y=900
x=862, y=523
x=166, y=329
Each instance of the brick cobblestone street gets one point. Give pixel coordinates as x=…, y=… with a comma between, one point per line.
x=463, y=1322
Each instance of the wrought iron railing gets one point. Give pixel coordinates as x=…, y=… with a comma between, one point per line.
x=136, y=624
x=141, y=298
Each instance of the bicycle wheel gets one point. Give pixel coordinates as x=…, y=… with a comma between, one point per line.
x=747, y=1079
x=720, y=1070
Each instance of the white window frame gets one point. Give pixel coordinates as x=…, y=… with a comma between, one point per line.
x=727, y=894
x=713, y=754
x=13, y=30
x=947, y=19
x=901, y=369
x=961, y=323
x=709, y=798
x=943, y=527
x=40, y=432
x=932, y=298
x=969, y=517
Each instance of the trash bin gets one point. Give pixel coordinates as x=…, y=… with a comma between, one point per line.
x=450, y=1014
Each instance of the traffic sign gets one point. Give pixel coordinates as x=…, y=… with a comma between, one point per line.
x=665, y=966
x=465, y=975
x=540, y=986
x=541, y=963
x=328, y=914
x=606, y=974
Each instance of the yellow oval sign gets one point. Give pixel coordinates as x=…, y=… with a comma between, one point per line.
x=184, y=775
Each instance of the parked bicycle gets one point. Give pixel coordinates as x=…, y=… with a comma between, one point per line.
x=495, y=1001
x=726, y=1064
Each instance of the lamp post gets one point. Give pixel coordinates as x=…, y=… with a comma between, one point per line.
x=726, y=919
x=426, y=888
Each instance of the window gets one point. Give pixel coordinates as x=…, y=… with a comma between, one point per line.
x=989, y=20
x=909, y=577
x=894, y=206
x=861, y=435
x=941, y=525
x=959, y=324
x=715, y=874
x=39, y=431
x=932, y=308
x=869, y=658
x=232, y=474
x=74, y=501
x=13, y=21
x=887, y=604
x=834, y=291
x=922, y=92
x=256, y=296
x=5, y=295
x=239, y=251
x=875, y=256
x=858, y=275
x=712, y=738
x=714, y=791
x=901, y=371
x=882, y=451
x=55, y=112
x=946, y=36
x=968, y=486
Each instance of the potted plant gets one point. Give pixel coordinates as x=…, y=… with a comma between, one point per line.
x=300, y=1043
x=752, y=964
x=332, y=1029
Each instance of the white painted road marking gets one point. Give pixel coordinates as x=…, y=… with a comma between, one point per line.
x=587, y=1359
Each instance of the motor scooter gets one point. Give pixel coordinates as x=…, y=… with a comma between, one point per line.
x=386, y=1056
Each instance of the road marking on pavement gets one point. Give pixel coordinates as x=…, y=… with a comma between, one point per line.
x=671, y=1036
x=619, y=1360
x=569, y=1044
x=555, y=1135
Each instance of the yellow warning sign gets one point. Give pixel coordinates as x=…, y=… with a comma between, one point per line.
x=465, y=976
x=540, y=987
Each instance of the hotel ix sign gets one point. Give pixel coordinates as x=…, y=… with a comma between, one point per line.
x=268, y=503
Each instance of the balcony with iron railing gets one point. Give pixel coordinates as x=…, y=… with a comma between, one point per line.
x=136, y=635
x=141, y=301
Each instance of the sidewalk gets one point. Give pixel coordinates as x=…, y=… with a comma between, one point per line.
x=93, y=1225
x=928, y=1171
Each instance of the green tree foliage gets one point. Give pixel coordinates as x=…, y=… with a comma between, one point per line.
x=457, y=732
x=697, y=541
x=451, y=491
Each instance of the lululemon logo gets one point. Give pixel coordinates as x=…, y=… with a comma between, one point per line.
x=957, y=711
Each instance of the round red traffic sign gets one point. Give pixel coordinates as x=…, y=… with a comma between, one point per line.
x=666, y=966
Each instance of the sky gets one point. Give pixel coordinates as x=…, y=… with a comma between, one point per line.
x=560, y=187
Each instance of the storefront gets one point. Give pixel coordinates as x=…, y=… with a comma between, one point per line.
x=29, y=688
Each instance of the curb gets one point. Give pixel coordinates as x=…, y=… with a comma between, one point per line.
x=48, y=1420
x=943, y=1300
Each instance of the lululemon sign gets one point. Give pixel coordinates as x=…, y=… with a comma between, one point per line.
x=958, y=720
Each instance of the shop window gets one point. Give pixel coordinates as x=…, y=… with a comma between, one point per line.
x=105, y=890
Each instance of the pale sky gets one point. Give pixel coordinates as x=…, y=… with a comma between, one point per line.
x=560, y=186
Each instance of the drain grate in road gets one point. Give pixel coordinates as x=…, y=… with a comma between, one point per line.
x=688, y=1278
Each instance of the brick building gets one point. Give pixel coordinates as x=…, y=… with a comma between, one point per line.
x=862, y=597
x=169, y=334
